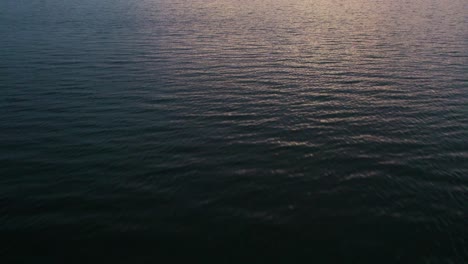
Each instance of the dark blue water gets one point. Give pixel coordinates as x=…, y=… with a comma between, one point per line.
x=234, y=131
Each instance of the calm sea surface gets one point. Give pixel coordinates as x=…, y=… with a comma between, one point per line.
x=288, y=130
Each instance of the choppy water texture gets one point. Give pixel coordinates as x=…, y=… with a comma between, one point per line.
x=325, y=130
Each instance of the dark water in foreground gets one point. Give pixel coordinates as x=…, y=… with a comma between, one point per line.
x=329, y=130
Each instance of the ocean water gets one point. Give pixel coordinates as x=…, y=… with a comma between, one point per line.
x=234, y=131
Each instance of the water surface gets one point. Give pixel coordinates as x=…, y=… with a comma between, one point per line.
x=325, y=130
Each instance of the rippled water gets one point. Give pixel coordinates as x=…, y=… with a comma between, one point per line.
x=326, y=130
